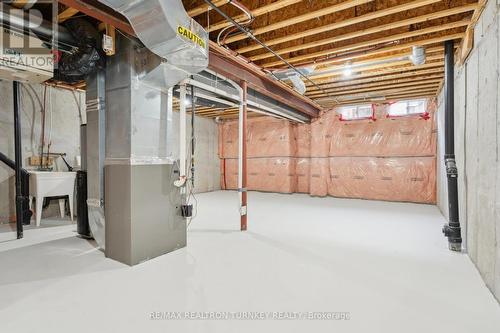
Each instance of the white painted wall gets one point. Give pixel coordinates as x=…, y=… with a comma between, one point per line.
x=477, y=145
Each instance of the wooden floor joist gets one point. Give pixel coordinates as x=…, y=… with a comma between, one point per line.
x=301, y=18
x=390, y=38
x=271, y=7
x=369, y=31
x=339, y=24
x=395, y=78
x=383, y=90
x=381, y=73
x=380, y=85
x=205, y=7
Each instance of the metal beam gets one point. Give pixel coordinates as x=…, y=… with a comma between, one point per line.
x=257, y=80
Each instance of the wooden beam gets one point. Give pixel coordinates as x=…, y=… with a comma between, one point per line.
x=386, y=39
x=429, y=51
x=203, y=8
x=301, y=18
x=368, y=31
x=468, y=40
x=340, y=24
x=402, y=77
x=380, y=90
x=338, y=70
x=374, y=99
x=109, y=17
x=396, y=83
x=376, y=51
x=255, y=12
x=66, y=14
x=438, y=65
x=21, y=3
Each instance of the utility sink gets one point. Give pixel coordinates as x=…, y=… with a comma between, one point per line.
x=45, y=184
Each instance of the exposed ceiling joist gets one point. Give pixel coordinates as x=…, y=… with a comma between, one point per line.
x=66, y=14
x=340, y=24
x=204, y=7
x=338, y=70
x=387, y=89
x=380, y=85
x=301, y=18
x=376, y=99
x=371, y=42
x=368, y=31
x=381, y=73
x=376, y=52
x=384, y=79
x=271, y=7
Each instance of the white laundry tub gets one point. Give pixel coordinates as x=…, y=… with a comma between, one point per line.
x=51, y=184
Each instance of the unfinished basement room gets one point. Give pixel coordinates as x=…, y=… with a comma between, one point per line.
x=250, y=166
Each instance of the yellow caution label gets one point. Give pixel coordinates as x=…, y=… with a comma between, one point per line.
x=188, y=34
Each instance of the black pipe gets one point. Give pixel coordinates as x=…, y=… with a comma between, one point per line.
x=452, y=229
x=18, y=160
x=25, y=186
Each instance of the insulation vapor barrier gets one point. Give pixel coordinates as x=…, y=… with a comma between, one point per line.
x=391, y=159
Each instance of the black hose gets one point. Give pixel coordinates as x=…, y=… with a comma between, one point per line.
x=74, y=67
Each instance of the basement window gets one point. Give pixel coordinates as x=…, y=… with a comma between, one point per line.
x=356, y=112
x=415, y=107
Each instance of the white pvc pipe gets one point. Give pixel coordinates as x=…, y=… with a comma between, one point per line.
x=182, y=131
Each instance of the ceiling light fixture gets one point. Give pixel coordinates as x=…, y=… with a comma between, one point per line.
x=347, y=69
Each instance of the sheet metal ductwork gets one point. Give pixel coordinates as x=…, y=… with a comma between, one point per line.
x=165, y=28
x=226, y=95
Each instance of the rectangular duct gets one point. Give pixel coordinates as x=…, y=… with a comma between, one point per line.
x=95, y=153
x=143, y=217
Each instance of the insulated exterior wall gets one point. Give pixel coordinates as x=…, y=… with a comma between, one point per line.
x=387, y=159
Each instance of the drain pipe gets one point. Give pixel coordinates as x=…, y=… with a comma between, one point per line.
x=18, y=160
x=452, y=229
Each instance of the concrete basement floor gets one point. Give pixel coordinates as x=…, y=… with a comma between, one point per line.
x=386, y=264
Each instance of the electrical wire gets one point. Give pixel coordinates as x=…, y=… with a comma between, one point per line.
x=230, y=30
x=249, y=34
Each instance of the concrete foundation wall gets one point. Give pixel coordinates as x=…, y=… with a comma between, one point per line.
x=207, y=164
x=63, y=111
x=477, y=142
